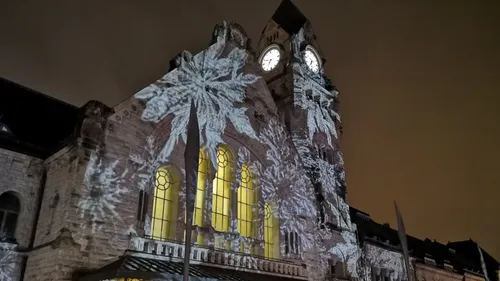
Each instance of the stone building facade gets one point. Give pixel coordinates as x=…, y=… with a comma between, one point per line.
x=103, y=196
x=429, y=260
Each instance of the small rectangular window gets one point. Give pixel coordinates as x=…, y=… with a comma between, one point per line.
x=287, y=247
x=142, y=206
x=429, y=261
x=292, y=243
x=139, y=208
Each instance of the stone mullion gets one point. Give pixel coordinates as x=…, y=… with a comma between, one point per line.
x=233, y=214
x=207, y=207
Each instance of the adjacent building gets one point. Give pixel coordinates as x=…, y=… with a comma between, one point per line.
x=429, y=260
x=98, y=193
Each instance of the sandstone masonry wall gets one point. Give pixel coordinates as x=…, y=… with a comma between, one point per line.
x=22, y=175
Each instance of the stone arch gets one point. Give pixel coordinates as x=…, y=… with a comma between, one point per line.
x=165, y=202
x=10, y=211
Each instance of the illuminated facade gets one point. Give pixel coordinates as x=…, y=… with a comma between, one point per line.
x=108, y=202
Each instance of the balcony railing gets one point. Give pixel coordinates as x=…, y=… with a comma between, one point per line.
x=174, y=251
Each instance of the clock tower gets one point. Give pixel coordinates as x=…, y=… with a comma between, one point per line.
x=292, y=65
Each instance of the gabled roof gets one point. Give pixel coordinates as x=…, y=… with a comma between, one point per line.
x=38, y=124
x=469, y=248
x=148, y=268
x=380, y=234
x=289, y=17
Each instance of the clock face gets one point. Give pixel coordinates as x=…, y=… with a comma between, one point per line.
x=270, y=59
x=312, y=60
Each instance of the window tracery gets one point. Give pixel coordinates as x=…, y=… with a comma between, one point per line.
x=246, y=199
x=271, y=232
x=199, y=204
x=221, y=197
x=165, y=202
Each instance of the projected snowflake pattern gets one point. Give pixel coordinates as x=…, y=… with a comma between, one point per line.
x=217, y=85
x=311, y=95
x=103, y=191
x=215, y=81
x=147, y=165
x=7, y=262
x=349, y=252
x=283, y=181
x=382, y=258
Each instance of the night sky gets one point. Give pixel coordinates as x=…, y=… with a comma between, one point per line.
x=419, y=84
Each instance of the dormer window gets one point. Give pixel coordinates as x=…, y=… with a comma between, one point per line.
x=4, y=129
x=429, y=261
x=448, y=266
x=10, y=208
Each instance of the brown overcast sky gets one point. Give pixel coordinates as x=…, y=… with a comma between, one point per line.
x=419, y=85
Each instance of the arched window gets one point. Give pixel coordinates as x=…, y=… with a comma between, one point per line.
x=201, y=185
x=271, y=232
x=10, y=208
x=199, y=203
x=246, y=199
x=164, y=218
x=221, y=197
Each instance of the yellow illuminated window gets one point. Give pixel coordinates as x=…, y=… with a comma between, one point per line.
x=246, y=199
x=164, y=216
x=271, y=233
x=199, y=202
x=222, y=190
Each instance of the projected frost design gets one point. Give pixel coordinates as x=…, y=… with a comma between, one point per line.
x=311, y=95
x=215, y=81
x=349, y=252
x=385, y=259
x=103, y=191
x=147, y=165
x=287, y=176
x=282, y=180
x=7, y=261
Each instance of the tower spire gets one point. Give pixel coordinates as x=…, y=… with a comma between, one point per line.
x=289, y=17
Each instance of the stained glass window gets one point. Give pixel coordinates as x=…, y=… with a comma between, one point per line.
x=271, y=232
x=221, y=197
x=246, y=199
x=201, y=187
x=199, y=203
x=165, y=201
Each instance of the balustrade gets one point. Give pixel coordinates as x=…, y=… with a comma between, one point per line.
x=174, y=252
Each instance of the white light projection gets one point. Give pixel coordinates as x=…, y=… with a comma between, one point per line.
x=310, y=94
x=326, y=176
x=148, y=165
x=385, y=259
x=7, y=261
x=215, y=81
x=283, y=181
x=145, y=174
x=103, y=191
x=349, y=252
